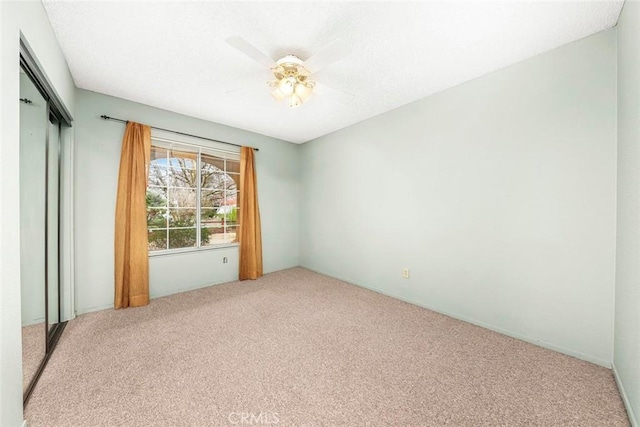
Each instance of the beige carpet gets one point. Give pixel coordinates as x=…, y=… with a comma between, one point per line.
x=33, y=351
x=298, y=348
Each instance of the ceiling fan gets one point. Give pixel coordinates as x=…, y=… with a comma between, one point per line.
x=291, y=74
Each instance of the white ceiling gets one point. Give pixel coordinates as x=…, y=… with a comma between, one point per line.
x=173, y=55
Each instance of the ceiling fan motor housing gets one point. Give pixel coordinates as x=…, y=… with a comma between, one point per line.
x=291, y=66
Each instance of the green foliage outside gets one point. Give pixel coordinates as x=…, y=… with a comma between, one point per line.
x=209, y=213
x=231, y=217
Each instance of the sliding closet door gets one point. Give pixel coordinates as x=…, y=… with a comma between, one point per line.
x=42, y=121
x=34, y=119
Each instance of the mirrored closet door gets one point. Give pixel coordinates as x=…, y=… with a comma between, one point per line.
x=41, y=125
x=33, y=136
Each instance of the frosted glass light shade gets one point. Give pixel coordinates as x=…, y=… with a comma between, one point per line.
x=303, y=91
x=277, y=94
x=287, y=85
x=294, y=101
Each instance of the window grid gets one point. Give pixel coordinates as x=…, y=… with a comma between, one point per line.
x=198, y=199
x=169, y=169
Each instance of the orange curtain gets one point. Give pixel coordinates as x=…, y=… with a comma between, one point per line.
x=131, y=238
x=250, y=236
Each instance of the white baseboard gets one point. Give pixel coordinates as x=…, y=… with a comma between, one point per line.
x=92, y=309
x=166, y=293
x=625, y=398
x=549, y=346
x=153, y=296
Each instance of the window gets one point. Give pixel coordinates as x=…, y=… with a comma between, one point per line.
x=192, y=196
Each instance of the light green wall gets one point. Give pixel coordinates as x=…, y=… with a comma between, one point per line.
x=499, y=195
x=627, y=307
x=30, y=19
x=97, y=156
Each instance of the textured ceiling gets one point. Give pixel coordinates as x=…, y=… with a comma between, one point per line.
x=173, y=55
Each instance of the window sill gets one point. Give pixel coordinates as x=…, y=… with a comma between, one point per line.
x=183, y=251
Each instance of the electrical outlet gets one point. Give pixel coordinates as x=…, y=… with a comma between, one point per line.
x=225, y=260
x=405, y=273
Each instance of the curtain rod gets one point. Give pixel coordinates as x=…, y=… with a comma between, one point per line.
x=105, y=117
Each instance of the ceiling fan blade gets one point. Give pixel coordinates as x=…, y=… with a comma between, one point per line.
x=241, y=87
x=339, y=95
x=251, y=51
x=235, y=90
x=327, y=56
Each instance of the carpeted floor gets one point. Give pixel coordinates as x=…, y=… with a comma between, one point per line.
x=33, y=350
x=298, y=348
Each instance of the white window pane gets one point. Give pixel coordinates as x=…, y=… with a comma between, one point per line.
x=182, y=198
x=182, y=218
x=218, y=236
x=156, y=197
x=213, y=180
x=211, y=198
x=233, y=166
x=211, y=163
x=157, y=240
x=182, y=238
x=158, y=175
x=187, y=178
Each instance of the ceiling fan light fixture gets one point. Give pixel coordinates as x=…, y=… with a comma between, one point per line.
x=294, y=101
x=277, y=94
x=291, y=81
x=303, y=90
x=287, y=85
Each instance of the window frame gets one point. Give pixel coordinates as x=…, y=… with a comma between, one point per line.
x=200, y=147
